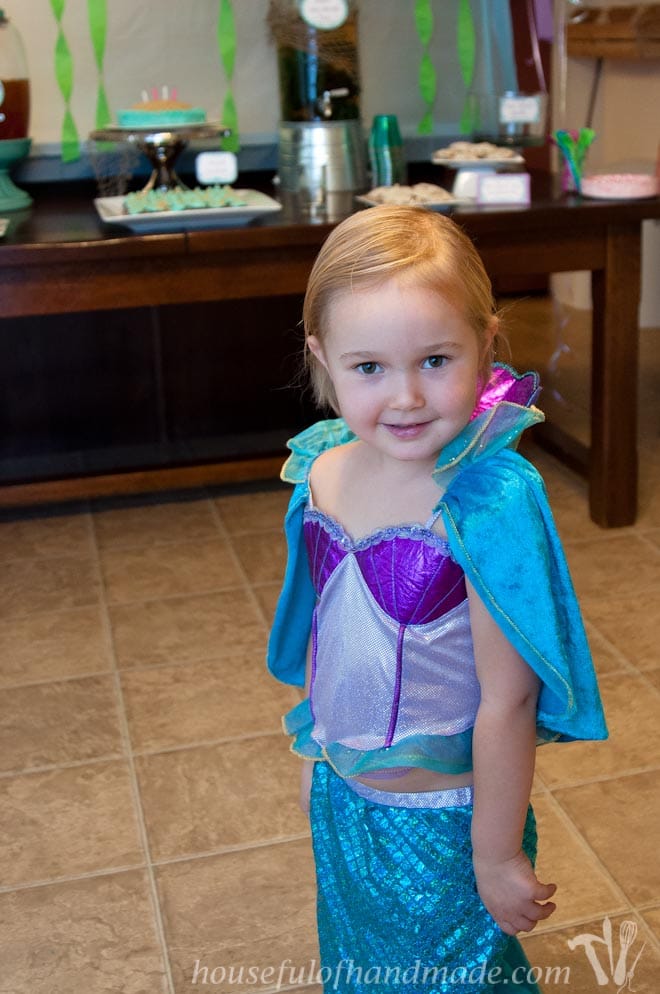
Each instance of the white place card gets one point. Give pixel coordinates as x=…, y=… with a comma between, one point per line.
x=520, y=109
x=503, y=188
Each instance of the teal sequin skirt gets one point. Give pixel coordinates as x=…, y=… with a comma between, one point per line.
x=398, y=908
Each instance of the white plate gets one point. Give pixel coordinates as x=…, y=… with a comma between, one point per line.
x=513, y=160
x=111, y=210
x=441, y=205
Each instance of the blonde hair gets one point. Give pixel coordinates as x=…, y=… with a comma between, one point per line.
x=417, y=246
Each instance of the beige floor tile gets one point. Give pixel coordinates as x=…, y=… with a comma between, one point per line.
x=186, y=629
x=653, y=537
x=606, y=657
x=95, y=936
x=262, y=511
x=56, y=584
x=624, y=560
x=632, y=710
x=651, y=918
x=180, y=705
x=564, y=860
x=67, y=822
x=254, y=908
x=153, y=524
x=631, y=624
x=267, y=596
x=263, y=556
x=53, y=645
x=653, y=676
x=45, y=535
x=168, y=570
x=56, y=723
x=619, y=819
x=209, y=797
x=562, y=967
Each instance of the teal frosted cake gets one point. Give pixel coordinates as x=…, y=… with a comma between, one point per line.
x=160, y=114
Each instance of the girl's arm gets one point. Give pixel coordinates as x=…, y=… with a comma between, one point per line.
x=504, y=749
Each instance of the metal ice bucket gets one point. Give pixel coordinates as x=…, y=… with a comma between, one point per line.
x=319, y=157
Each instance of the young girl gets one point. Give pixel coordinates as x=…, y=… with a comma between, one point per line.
x=428, y=610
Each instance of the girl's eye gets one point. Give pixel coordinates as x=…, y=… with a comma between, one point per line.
x=368, y=368
x=434, y=362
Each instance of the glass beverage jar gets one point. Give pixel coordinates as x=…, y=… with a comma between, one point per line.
x=14, y=83
x=317, y=59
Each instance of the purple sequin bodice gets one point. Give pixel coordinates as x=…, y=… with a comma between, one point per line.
x=391, y=646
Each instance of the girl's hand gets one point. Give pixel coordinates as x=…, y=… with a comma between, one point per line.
x=306, y=785
x=512, y=894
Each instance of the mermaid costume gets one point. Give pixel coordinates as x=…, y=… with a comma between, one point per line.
x=394, y=686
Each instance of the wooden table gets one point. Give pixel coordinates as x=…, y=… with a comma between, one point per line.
x=58, y=259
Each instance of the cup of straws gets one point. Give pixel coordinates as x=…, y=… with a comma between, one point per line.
x=573, y=145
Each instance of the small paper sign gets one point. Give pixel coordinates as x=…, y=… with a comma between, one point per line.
x=503, y=188
x=520, y=110
x=216, y=167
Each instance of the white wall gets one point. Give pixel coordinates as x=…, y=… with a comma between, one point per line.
x=155, y=42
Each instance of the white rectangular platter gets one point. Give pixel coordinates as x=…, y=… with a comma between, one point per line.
x=111, y=210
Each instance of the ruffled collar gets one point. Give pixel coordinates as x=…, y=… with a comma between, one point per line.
x=503, y=412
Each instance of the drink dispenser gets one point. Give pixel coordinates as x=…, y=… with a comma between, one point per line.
x=322, y=148
x=14, y=113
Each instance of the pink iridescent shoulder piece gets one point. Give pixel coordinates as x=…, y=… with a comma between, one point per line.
x=507, y=385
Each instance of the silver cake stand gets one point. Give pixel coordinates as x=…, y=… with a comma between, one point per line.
x=161, y=146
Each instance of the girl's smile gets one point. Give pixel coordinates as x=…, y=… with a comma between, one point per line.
x=405, y=366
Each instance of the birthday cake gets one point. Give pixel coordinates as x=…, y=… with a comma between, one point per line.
x=160, y=112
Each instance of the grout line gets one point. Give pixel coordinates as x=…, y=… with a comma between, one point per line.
x=568, y=821
x=277, y=840
x=74, y=764
x=209, y=743
x=109, y=871
x=65, y=678
x=138, y=811
x=239, y=565
x=603, y=778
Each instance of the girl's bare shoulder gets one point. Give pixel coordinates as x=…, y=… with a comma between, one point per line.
x=333, y=473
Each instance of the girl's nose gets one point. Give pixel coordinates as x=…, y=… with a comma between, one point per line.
x=407, y=393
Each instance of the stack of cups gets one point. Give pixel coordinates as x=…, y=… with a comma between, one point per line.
x=386, y=156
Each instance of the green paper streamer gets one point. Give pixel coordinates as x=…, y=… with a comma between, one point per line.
x=227, y=37
x=424, y=20
x=466, y=45
x=64, y=76
x=427, y=80
x=227, y=50
x=98, y=28
x=427, y=76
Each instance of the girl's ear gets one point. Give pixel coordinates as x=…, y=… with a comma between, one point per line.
x=315, y=347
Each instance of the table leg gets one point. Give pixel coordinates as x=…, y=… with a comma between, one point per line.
x=615, y=351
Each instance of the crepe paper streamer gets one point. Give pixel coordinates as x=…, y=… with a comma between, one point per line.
x=574, y=146
x=466, y=45
x=427, y=76
x=98, y=27
x=64, y=76
x=227, y=49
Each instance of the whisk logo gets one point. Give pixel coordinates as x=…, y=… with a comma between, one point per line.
x=600, y=949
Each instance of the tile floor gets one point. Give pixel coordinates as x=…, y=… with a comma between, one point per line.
x=151, y=839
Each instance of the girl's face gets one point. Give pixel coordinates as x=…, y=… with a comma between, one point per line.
x=405, y=366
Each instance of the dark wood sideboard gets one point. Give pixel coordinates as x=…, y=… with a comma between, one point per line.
x=71, y=286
